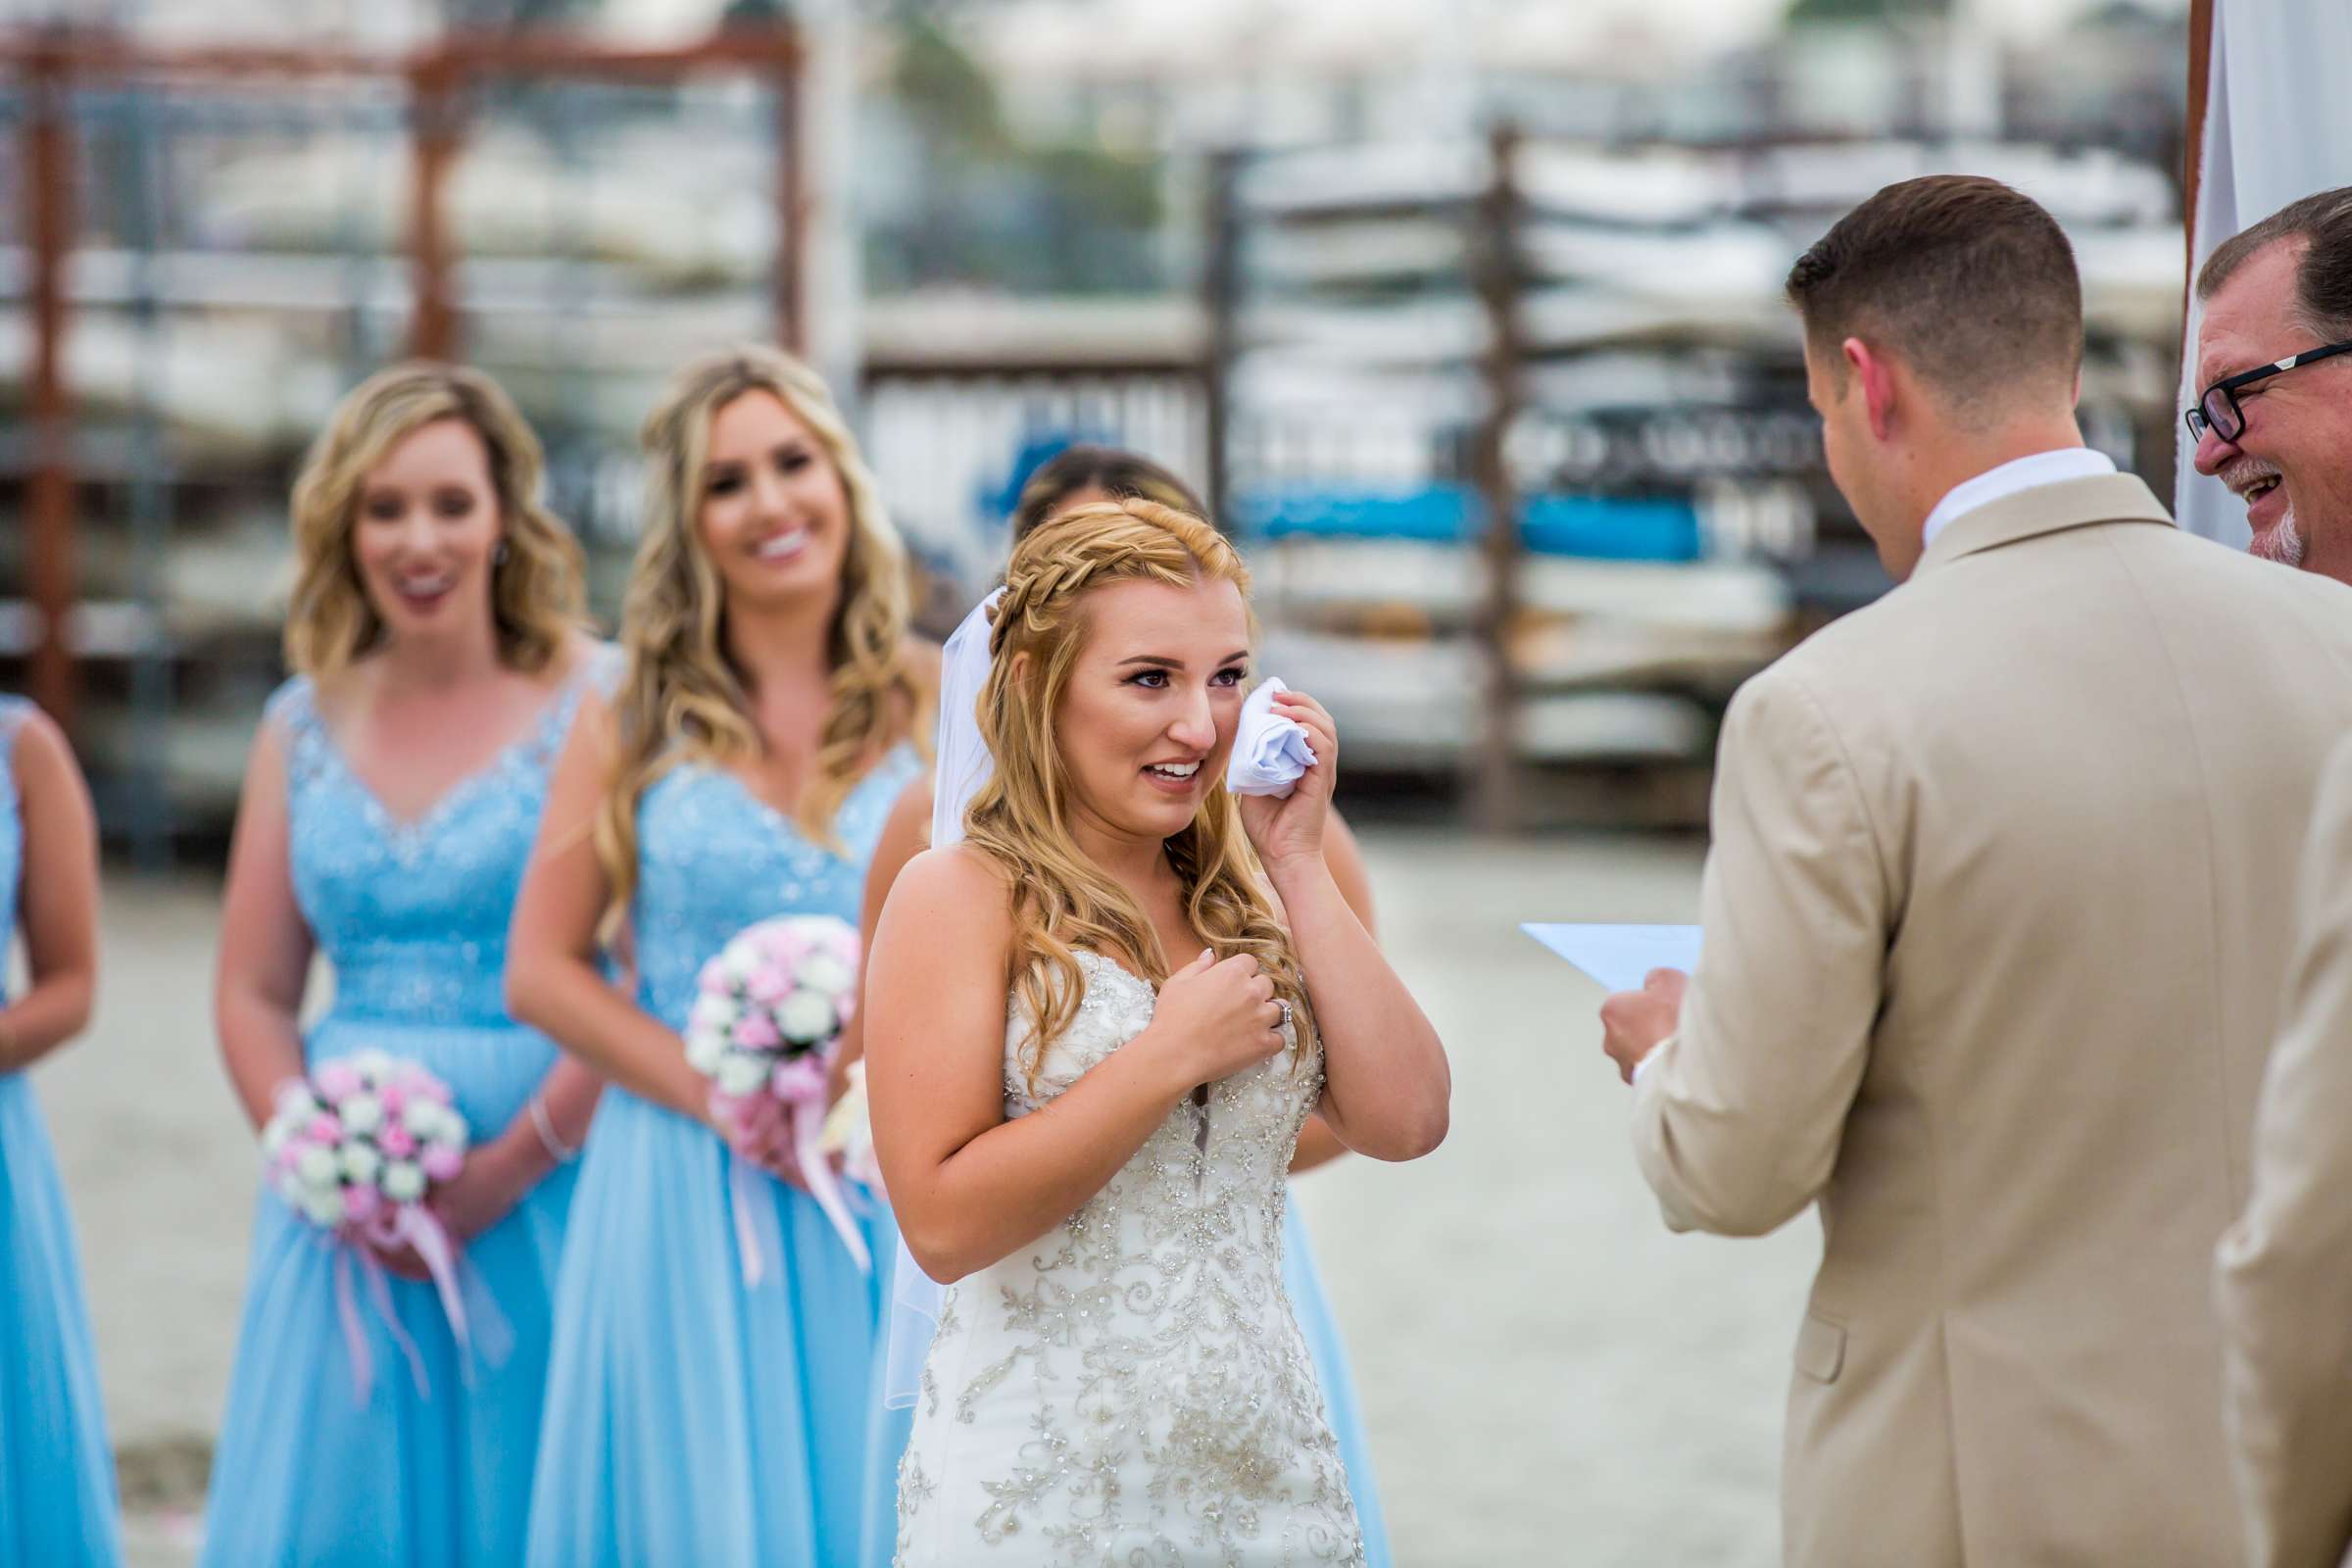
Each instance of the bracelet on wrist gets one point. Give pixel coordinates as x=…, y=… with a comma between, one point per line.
x=544, y=1125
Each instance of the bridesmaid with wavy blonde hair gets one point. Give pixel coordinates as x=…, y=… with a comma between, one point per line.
x=762, y=728
x=436, y=634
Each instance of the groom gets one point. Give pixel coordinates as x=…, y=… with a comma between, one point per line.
x=1995, y=919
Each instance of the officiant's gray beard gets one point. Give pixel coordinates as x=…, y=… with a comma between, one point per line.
x=2282, y=542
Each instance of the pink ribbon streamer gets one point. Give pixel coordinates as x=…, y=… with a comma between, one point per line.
x=754, y=1220
x=752, y=1203
x=418, y=1227
x=355, y=1334
x=807, y=1127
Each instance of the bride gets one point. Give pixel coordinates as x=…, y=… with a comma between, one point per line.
x=1092, y=1039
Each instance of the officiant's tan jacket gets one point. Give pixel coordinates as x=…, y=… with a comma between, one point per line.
x=1996, y=919
x=2285, y=1267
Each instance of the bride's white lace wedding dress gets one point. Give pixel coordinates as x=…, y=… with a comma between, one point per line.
x=1131, y=1388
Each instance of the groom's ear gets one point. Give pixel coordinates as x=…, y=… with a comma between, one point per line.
x=1871, y=371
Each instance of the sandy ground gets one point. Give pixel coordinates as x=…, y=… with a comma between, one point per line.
x=1549, y=1377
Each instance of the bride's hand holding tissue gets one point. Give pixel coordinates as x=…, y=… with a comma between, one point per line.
x=1285, y=766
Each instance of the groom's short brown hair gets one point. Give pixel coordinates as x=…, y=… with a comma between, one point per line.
x=1971, y=283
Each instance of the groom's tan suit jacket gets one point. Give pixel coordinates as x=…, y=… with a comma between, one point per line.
x=2287, y=1265
x=1996, y=916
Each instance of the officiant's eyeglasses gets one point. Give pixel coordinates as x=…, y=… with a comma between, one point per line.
x=2218, y=409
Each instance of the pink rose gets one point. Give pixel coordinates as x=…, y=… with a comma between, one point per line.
x=338, y=1080
x=324, y=1128
x=770, y=984
x=360, y=1202
x=395, y=1098
x=756, y=1031
x=714, y=980
x=442, y=1163
x=799, y=1079
x=397, y=1140
x=782, y=946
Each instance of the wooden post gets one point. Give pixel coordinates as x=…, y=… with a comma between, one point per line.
x=1493, y=757
x=49, y=538
x=433, y=80
x=1220, y=301
x=792, y=207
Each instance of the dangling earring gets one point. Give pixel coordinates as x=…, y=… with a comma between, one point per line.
x=498, y=556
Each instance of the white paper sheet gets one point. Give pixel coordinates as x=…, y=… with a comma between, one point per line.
x=1620, y=956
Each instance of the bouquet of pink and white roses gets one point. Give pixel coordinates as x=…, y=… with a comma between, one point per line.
x=767, y=1020
x=355, y=1148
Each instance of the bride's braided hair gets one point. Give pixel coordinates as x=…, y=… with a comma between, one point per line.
x=1020, y=818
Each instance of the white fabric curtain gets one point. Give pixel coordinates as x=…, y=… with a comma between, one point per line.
x=2277, y=126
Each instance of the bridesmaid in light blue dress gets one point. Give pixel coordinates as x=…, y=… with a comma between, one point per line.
x=436, y=617
x=696, y=1416
x=57, y=1473
x=1072, y=477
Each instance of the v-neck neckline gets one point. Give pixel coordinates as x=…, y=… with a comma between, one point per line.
x=776, y=815
x=460, y=789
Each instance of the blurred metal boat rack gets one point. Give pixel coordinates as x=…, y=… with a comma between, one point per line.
x=201, y=248
x=1516, y=434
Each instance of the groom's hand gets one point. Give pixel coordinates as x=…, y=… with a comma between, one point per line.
x=1633, y=1022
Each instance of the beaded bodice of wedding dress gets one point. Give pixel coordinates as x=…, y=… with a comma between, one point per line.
x=1131, y=1388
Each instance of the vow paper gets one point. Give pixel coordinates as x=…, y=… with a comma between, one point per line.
x=1621, y=957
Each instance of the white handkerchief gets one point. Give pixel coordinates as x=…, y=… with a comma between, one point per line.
x=1269, y=751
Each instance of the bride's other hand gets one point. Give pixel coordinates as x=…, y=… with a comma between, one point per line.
x=1220, y=1015
x=1290, y=830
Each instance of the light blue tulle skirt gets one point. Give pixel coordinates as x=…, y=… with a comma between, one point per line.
x=305, y=1473
x=1301, y=1282
x=57, y=1473
x=694, y=1420
x=889, y=1430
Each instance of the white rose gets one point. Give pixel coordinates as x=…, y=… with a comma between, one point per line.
x=325, y=1207
x=805, y=1017
x=361, y=1163
x=420, y=1118
x=739, y=962
x=711, y=1014
x=827, y=974
x=371, y=1064
x=275, y=1136
x=703, y=1053
x=453, y=1128
x=362, y=1113
x=289, y=1187
x=295, y=1102
x=316, y=1165
x=739, y=1074
x=403, y=1181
